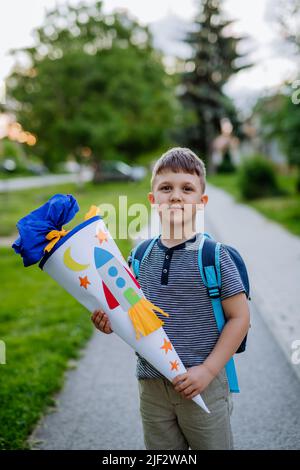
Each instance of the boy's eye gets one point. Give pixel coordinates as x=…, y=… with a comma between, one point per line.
x=167, y=188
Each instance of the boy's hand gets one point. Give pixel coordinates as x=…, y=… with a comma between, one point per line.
x=101, y=321
x=194, y=381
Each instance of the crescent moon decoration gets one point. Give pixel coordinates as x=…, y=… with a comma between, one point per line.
x=71, y=263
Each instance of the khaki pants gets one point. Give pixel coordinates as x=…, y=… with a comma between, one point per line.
x=173, y=422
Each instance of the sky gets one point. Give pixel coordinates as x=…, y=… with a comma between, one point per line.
x=19, y=17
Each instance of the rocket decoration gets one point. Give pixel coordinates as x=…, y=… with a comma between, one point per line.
x=87, y=263
x=128, y=293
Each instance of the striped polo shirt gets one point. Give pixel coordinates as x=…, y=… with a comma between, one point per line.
x=170, y=279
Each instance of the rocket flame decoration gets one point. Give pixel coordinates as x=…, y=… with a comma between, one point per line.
x=87, y=263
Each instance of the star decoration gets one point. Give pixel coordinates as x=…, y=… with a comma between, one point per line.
x=93, y=211
x=174, y=365
x=84, y=281
x=166, y=346
x=102, y=236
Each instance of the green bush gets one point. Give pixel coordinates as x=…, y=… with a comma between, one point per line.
x=226, y=166
x=9, y=149
x=257, y=178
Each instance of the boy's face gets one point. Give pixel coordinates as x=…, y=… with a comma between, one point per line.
x=178, y=196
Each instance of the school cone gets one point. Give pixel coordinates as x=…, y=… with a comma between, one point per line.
x=87, y=263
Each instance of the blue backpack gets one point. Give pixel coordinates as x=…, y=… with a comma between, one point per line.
x=210, y=271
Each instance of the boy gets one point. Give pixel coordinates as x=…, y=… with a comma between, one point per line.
x=170, y=278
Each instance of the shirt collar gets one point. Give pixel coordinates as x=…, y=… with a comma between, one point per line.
x=180, y=246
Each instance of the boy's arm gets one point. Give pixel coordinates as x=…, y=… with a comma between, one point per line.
x=197, y=378
x=236, y=310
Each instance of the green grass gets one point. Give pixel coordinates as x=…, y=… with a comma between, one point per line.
x=15, y=205
x=227, y=182
x=42, y=326
x=282, y=209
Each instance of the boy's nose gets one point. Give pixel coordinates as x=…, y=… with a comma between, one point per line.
x=175, y=197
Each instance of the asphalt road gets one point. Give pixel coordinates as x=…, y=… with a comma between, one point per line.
x=98, y=408
x=17, y=184
x=266, y=412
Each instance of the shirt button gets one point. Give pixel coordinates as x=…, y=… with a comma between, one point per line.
x=167, y=256
x=165, y=270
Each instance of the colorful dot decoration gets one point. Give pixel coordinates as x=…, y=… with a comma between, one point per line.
x=120, y=282
x=112, y=271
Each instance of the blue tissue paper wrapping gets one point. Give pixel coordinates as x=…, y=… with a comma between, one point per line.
x=34, y=227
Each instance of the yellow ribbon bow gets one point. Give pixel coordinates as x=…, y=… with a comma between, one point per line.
x=54, y=236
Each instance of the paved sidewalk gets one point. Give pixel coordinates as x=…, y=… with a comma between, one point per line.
x=98, y=407
x=6, y=242
x=26, y=182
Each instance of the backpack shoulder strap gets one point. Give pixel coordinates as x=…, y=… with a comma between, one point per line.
x=139, y=252
x=210, y=271
x=209, y=265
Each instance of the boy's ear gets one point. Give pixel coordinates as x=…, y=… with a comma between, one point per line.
x=204, y=199
x=150, y=198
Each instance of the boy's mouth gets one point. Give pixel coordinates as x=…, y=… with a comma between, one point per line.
x=176, y=207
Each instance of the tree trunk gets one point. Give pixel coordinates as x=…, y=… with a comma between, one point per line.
x=97, y=172
x=298, y=181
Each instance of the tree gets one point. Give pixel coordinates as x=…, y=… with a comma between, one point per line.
x=92, y=83
x=280, y=112
x=280, y=120
x=213, y=61
x=287, y=13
